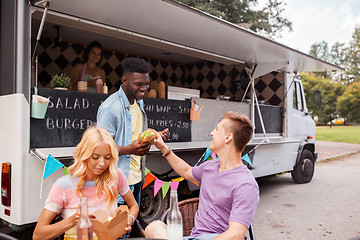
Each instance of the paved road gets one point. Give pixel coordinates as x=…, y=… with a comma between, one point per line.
x=326, y=208
x=328, y=150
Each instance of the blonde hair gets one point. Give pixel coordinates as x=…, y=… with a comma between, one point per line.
x=106, y=182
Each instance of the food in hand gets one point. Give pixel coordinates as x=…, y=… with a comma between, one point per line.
x=147, y=136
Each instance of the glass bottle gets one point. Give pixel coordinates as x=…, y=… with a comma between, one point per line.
x=174, y=219
x=84, y=226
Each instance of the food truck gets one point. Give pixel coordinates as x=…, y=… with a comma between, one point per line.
x=206, y=63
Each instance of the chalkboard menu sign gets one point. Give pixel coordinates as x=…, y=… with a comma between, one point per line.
x=171, y=114
x=70, y=113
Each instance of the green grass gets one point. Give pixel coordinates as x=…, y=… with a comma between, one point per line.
x=346, y=134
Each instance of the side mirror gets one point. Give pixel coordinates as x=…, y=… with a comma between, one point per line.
x=317, y=102
x=317, y=99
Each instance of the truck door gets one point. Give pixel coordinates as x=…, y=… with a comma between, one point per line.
x=302, y=124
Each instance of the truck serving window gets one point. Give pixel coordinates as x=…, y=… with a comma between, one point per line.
x=297, y=97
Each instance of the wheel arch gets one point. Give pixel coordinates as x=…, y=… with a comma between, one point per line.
x=304, y=145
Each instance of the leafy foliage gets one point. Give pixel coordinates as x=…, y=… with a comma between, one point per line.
x=330, y=90
x=346, y=56
x=348, y=96
x=267, y=21
x=349, y=103
x=60, y=81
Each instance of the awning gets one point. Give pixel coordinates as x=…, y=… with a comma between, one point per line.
x=171, y=26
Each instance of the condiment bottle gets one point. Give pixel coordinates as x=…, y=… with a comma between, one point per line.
x=161, y=92
x=105, y=88
x=99, y=85
x=174, y=219
x=84, y=226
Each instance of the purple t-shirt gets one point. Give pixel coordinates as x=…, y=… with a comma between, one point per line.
x=232, y=195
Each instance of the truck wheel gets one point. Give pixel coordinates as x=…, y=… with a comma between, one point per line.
x=151, y=208
x=304, y=168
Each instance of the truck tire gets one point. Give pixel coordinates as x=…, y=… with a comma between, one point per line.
x=304, y=168
x=151, y=208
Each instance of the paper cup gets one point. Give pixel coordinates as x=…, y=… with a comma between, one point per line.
x=82, y=86
x=194, y=115
x=39, y=106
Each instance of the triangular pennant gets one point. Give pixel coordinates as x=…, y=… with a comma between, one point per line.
x=246, y=158
x=51, y=166
x=165, y=188
x=174, y=185
x=157, y=185
x=207, y=154
x=196, y=183
x=65, y=171
x=179, y=179
x=149, y=178
x=146, y=171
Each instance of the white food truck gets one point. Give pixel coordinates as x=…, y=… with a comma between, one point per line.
x=217, y=64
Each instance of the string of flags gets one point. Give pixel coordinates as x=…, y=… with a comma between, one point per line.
x=52, y=165
x=174, y=183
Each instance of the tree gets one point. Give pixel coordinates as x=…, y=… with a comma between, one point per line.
x=320, y=50
x=353, y=58
x=267, y=21
x=330, y=90
x=349, y=103
x=347, y=57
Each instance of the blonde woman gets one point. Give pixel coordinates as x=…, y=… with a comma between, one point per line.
x=94, y=175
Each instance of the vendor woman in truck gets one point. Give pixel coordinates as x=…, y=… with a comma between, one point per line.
x=89, y=71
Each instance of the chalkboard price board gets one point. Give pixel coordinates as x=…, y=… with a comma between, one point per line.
x=70, y=113
x=171, y=114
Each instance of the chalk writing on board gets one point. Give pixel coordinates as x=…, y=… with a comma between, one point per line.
x=172, y=114
x=70, y=113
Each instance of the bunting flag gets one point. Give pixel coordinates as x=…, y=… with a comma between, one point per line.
x=207, y=154
x=157, y=185
x=51, y=166
x=213, y=155
x=165, y=188
x=149, y=178
x=65, y=171
x=246, y=158
x=174, y=185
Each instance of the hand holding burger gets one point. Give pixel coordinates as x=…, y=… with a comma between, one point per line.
x=149, y=135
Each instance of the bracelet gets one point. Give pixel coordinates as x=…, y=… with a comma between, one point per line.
x=167, y=152
x=133, y=218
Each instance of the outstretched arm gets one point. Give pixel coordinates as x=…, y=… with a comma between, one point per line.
x=178, y=164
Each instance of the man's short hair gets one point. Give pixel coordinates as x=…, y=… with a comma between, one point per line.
x=241, y=127
x=135, y=65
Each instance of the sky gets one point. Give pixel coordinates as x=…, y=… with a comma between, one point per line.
x=319, y=20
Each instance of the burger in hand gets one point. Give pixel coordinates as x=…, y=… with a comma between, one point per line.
x=147, y=136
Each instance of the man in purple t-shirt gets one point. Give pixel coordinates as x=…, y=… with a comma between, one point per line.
x=229, y=194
